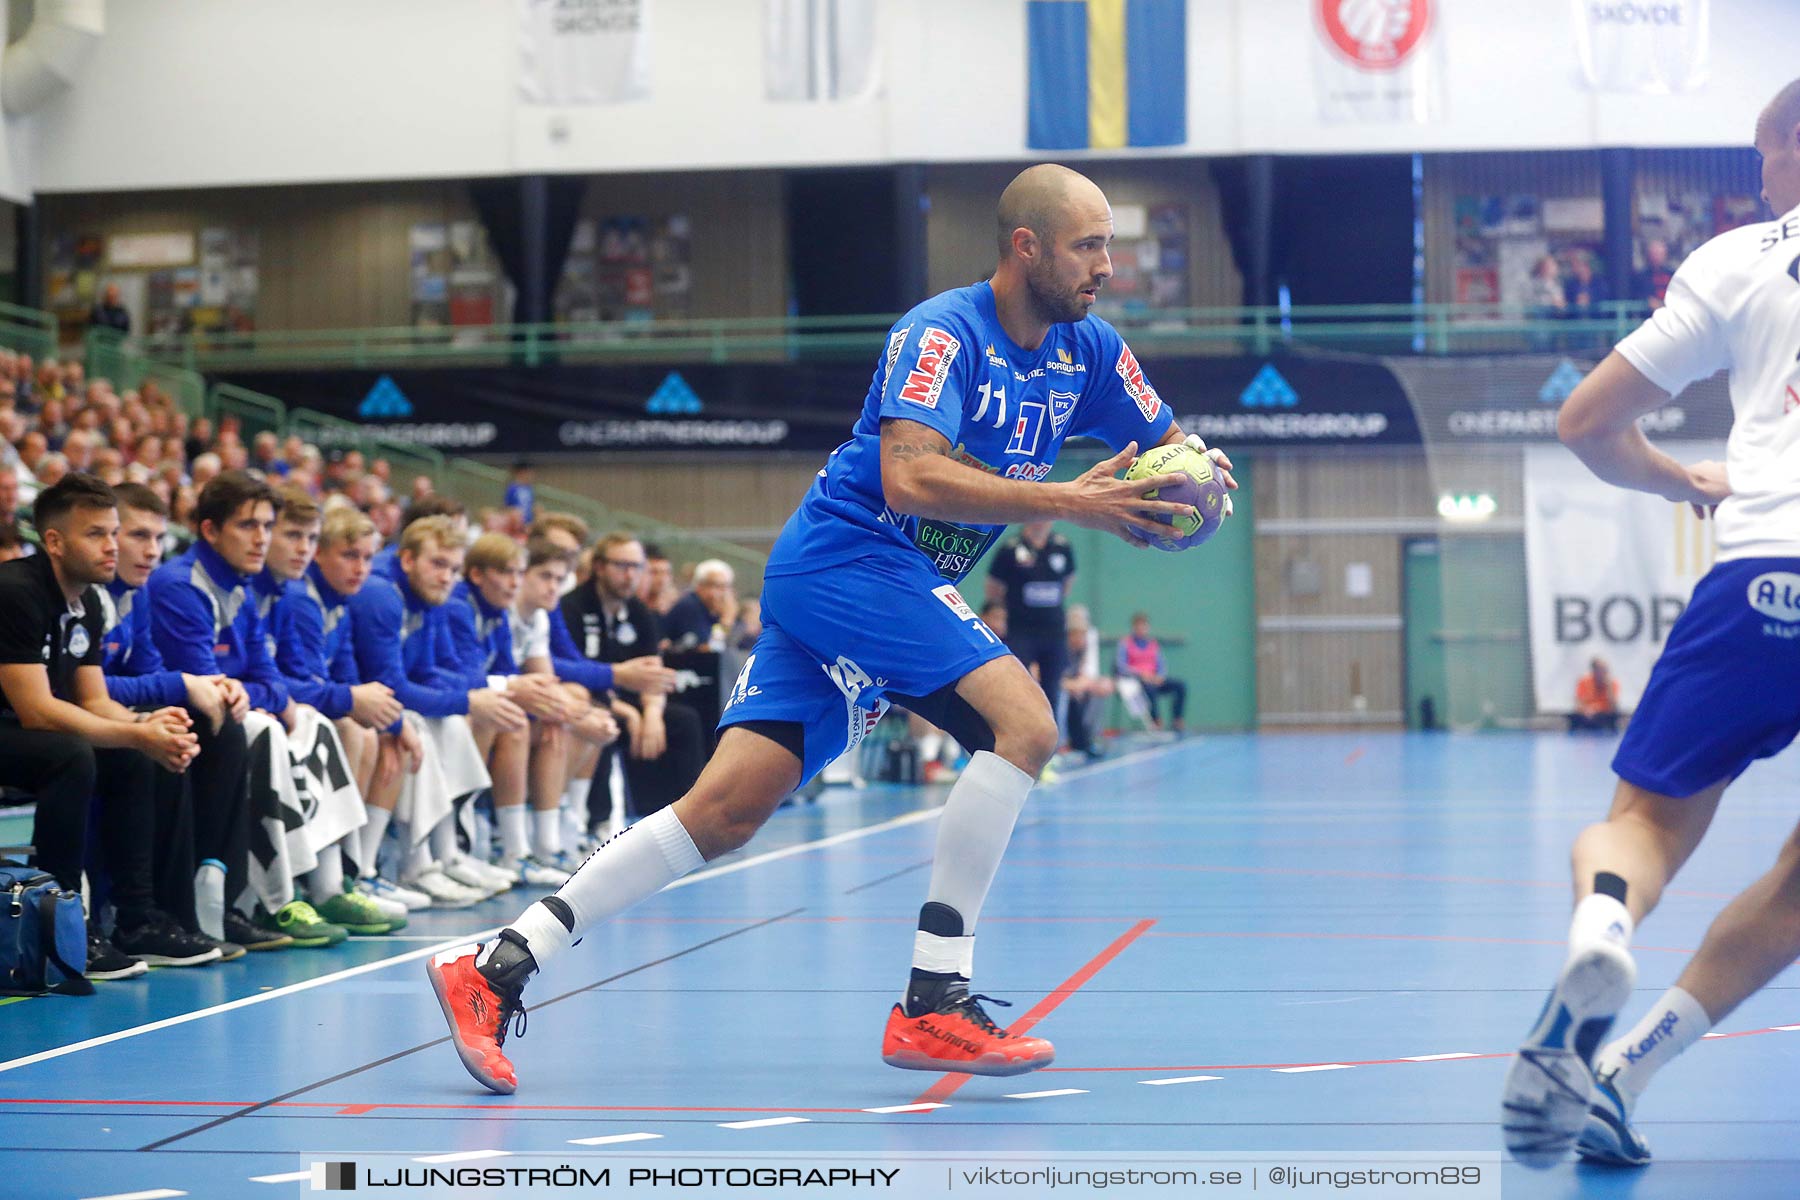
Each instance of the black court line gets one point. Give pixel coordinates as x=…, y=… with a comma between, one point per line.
x=890, y=875
x=381, y=1062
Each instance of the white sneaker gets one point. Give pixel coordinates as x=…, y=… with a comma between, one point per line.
x=1550, y=1086
x=477, y=875
x=444, y=891
x=379, y=889
x=1608, y=1136
x=538, y=872
x=389, y=902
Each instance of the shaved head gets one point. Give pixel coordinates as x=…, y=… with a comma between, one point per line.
x=1040, y=199
x=1778, y=141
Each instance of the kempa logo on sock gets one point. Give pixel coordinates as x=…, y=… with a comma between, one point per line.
x=333, y=1177
x=1663, y=1028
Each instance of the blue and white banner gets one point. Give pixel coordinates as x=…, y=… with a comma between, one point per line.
x=1642, y=47
x=1106, y=74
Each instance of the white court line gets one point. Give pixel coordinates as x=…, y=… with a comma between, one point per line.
x=1713, y=1035
x=766, y=1122
x=906, y=1108
x=912, y=818
x=1181, y=1079
x=464, y=1156
x=1319, y=1067
x=1787, y=1028
x=613, y=1139
x=1053, y=1092
x=290, y=1177
x=1439, y=1057
x=153, y=1194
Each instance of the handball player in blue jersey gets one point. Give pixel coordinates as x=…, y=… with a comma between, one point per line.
x=973, y=397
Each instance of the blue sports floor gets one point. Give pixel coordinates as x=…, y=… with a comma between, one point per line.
x=1304, y=942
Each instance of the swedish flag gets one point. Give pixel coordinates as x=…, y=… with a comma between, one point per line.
x=1105, y=74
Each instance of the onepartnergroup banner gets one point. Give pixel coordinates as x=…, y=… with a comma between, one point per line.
x=1425, y=1175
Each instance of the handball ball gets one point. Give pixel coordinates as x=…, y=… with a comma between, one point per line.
x=1203, y=489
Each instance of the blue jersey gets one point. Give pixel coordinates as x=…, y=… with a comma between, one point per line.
x=1004, y=409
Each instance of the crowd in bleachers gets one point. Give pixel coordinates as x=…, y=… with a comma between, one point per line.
x=265, y=699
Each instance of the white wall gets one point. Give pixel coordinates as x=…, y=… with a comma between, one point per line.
x=185, y=93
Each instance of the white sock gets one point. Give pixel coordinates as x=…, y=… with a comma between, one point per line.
x=419, y=860
x=546, y=832
x=637, y=864
x=443, y=840
x=373, y=831
x=972, y=835
x=515, y=843
x=1675, y=1022
x=327, y=879
x=973, y=832
x=1599, y=918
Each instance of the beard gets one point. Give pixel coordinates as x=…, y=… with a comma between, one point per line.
x=1054, y=303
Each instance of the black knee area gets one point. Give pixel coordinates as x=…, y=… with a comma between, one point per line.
x=561, y=910
x=789, y=735
x=1608, y=884
x=952, y=714
x=940, y=919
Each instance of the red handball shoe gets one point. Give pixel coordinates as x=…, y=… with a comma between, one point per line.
x=959, y=1036
x=480, y=1003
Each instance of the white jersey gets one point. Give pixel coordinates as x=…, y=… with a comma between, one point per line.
x=1735, y=305
x=530, y=638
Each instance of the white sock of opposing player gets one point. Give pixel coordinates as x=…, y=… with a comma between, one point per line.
x=631, y=867
x=327, y=879
x=373, y=831
x=546, y=832
x=1675, y=1022
x=1599, y=918
x=515, y=841
x=973, y=833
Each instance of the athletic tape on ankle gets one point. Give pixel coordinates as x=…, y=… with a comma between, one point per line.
x=944, y=955
x=678, y=849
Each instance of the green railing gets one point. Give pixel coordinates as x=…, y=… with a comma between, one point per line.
x=1373, y=328
x=256, y=412
x=28, y=330
x=110, y=355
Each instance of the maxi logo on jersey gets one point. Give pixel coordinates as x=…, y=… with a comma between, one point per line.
x=1136, y=386
x=925, y=382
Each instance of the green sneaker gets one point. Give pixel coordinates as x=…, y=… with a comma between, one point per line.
x=358, y=914
x=299, y=921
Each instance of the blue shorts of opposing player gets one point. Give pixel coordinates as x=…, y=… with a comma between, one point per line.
x=1726, y=690
x=837, y=643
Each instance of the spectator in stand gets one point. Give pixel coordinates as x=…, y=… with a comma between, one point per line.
x=521, y=492
x=78, y=450
x=267, y=456
x=1084, y=686
x=706, y=617
x=67, y=743
x=1583, y=291
x=388, y=518
x=199, y=438
x=51, y=469
x=657, y=589
x=1546, y=299
x=109, y=313
x=1141, y=658
x=612, y=625
x=12, y=543
x=204, y=469
x=1652, y=283
x=1596, y=701
x=11, y=507
x=421, y=488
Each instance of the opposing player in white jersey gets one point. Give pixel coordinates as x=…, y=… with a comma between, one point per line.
x=1721, y=696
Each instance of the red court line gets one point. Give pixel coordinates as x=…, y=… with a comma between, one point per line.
x=1354, y=755
x=342, y=1109
x=1397, y=937
x=947, y=1086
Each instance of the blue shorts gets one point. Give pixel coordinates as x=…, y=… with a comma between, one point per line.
x=1726, y=690
x=837, y=643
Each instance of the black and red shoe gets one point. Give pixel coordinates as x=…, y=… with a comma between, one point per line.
x=481, y=1001
x=958, y=1035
